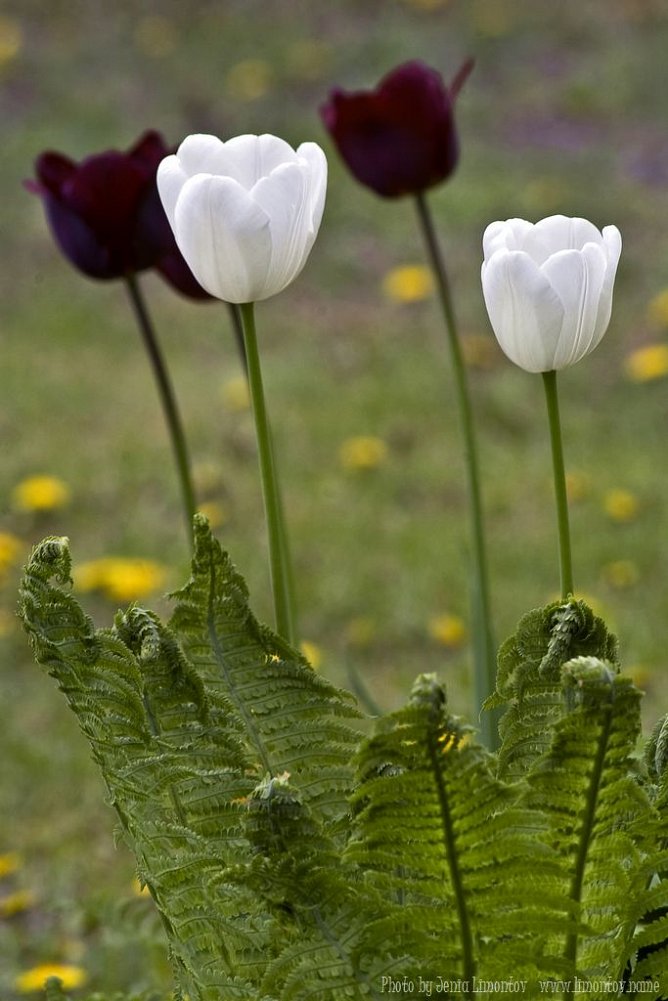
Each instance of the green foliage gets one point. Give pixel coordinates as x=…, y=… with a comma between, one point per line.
x=291, y=856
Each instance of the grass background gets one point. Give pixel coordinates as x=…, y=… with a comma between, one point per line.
x=565, y=112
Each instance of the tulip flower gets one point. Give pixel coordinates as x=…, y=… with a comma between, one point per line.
x=548, y=288
x=246, y=212
x=400, y=138
x=548, y=291
x=105, y=213
x=106, y=216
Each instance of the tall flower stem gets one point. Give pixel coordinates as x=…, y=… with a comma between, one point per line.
x=281, y=572
x=238, y=328
x=561, y=497
x=167, y=399
x=483, y=643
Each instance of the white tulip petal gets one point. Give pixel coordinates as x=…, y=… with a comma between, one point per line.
x=252, y=157
x=224, y=236
x=283, y=196
x=170, y=179
x=560, y=232
x=202, y=154
x=577, y=277
x=612, y=246
x=509, y=235
x=525, y=311
x=317, y=162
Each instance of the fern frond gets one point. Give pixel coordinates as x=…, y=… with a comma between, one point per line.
x=585, y=790
x=528, y=679
x=441, y=838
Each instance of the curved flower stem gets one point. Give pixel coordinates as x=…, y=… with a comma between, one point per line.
x=565, y=562
x=281, y=572
x=483, y=643
x=167, y=399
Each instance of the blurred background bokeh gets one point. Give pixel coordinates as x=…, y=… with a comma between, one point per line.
x=565, y=111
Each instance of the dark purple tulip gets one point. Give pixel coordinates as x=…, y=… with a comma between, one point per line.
x=400, y=138
x=106, y=215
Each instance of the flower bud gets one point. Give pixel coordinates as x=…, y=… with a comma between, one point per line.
x=548, y=288
x=246, y=212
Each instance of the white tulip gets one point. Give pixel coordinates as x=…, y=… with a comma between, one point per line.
x=548, y=288
x=246, y=212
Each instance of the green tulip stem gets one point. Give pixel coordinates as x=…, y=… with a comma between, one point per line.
x=238, y=328
x=167, y=399
x=561, y=496
x=280, y=564
x=483, y=643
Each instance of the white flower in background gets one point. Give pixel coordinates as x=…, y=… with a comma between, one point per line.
x=548, y=288
x=246, y=212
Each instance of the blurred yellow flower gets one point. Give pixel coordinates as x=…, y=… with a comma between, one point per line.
x=657, y=310
x=249, y=79
x=621, y=505
x=11, y=39
x=10, y=547
x=362, y=452
x=40, y=493
x=645, y=364
x=236, y=395
x=140, y=889
x=122, y=579
x=312, y=652
x=360, y=631
x=33, y=980
x=214, y=512
x=16, y=903
x=10, y=863
x=155, y=36
x=621, y=573
x=578, y=486
x=408, y=283
x=448, y=630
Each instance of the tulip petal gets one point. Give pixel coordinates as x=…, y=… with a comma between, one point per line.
x=559, y=232
x=170, y=179
x=202, y=154
x=317, y=162
x=224, y=236
x=525, y=311
x=509, y=234
x=577, y=278
x=283, y=196
x=249, y=158
x=612, y=247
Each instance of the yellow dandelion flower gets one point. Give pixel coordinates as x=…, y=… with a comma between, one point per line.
x=10, y=863
x=33, y=980
x=448, y=630
x=657, y=310
x=11, y=39
x=312, y=652
x=10, y=547
x=621, y=573
x=16, y=903
x=40, y=493
x=236, y=394
x=578, y=486
x=408, y=283
x=360, y=631
x=645, y=364
x=249, y=79
x=362, y=452
x=155, y=36
x=621, y=505
x=122, y=579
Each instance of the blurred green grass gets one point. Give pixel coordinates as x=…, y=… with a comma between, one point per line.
x=565, y=112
